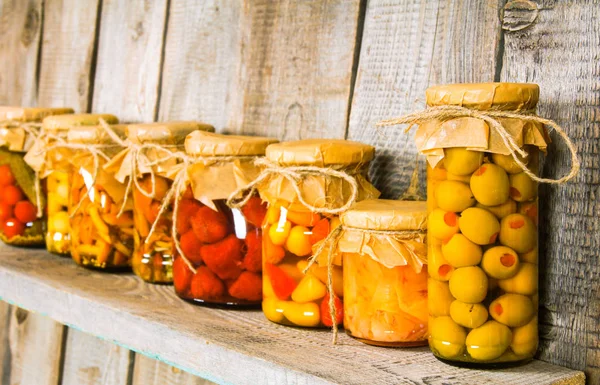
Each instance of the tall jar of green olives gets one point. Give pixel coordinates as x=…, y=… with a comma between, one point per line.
x=483, y=222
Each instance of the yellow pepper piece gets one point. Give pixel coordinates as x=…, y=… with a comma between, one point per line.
x=298, y=241
x=272, y=309
x=103, y=230
x=309, y=289
x=303, y=218
x=279, y=234
x=301, y=314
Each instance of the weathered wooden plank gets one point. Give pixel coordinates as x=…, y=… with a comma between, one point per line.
x=129, y=59
x=91, y=361
x=4, y=345
x=225, y=346
x=35, y=348
x=408, y=45
x=279, y=68
x=148, y=371
x=68, y=51
x=20, y=26
x=560, y=52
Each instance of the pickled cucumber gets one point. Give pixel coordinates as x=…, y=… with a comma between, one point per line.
x=479, y=225
x=469, y=284
x=461, y=161
x=500, y=211
x=522, y=187
x=525, y=338
x=513, y=310
x=454, y=196
x=439, y=298
x=442, y=224
x=461, y=252
x=525, y=282
x=447, y=337
x=508, y=163
x=469, y=315
x=488, y=341
x=490, y=185
x=500, y=262
x=518, y=232
x=438, y=267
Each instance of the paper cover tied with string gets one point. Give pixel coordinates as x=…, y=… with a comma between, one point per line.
x=145, y=165
x=385, y=273
x=19, y=128
x=219, y=253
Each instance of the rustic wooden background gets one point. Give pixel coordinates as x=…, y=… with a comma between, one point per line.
x=313, y=68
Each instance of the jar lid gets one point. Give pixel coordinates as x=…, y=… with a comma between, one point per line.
x=66, y=122
x=26, y=114
x=320, y=152
x=485, y=96
x=385, y=214
x=164, y=132
x=94, y=134
x=201, y=143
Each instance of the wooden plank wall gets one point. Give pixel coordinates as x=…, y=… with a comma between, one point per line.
x=299, y=69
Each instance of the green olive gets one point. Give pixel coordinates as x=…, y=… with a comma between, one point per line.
x=518, y=232
x=479, y=225
x=508, y=163
x=500, y=211
x=512, y=310
x=461, y=178
x=530, y=256
x=461, y=252
x=437, y=266
x=490, y=185
x=452, y=195
x=442, y=224
x=525, y=282
x=439, y=298
x=525, y=339
x=488, y=341
x=469, y=315
x=460, y=161
x=522, y=187
x=447, y=337
x=500, y=262
x=469, y=284
x=529, y=209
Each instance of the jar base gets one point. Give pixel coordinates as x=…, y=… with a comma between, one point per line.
x=223, y=305
x=384, y=344
x=484, y=365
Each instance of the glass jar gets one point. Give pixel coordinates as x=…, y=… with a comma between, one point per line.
x=385, y=273
x=292, y=229
x=149, y=143
x=54, y=168
x=100, y=237
x=19, y=221
x=218, y=249
x=482, y=227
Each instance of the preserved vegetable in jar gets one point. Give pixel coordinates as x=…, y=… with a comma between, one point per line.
x=329, y=175
x=146, y=165
x=385, y=274
x=482, y=143
x=22, y=201
x=218, y=249
x=101, y=215
x=50, y=159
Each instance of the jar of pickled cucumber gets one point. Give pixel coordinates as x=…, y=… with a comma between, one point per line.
x=101, y=215
x=21, y=223
x=218, y=249
x=52, y=163
x=149, y=158
x=483, y=223
x=330, y=175
x=385, y=274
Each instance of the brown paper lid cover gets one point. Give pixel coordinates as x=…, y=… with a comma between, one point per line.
x=164, y=132
x=485, y=96
x=26, y=114
x=94, y=134
x=320, y=152
x=66, y=122
x=201, y=143
x=384, y=214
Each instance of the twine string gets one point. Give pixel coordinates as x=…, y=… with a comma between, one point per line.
x=491, y=118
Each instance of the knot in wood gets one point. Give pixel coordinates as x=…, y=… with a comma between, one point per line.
x=518, y=15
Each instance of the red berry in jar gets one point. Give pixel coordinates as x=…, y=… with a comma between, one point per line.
x=25, y=211
x=13, y=227
x=11, y=195
x=6, y=175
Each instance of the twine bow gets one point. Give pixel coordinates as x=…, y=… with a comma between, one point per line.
x=331, y=241
x=491, y=118
x=294, y=175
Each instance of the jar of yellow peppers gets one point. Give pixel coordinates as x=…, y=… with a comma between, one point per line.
x=21, y=202
x=101, y=215
x=307, y=184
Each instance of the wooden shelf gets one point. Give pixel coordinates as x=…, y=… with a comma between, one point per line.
x=225, y=346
